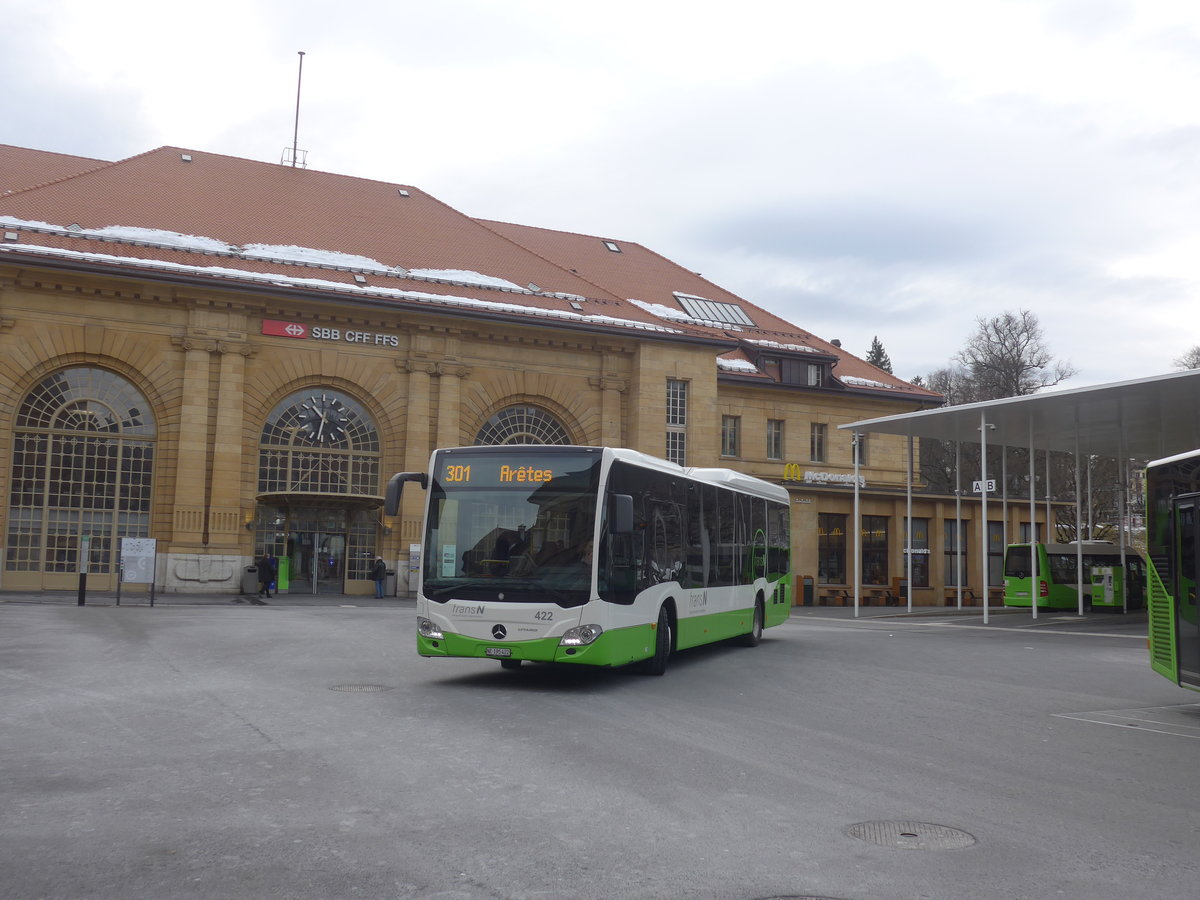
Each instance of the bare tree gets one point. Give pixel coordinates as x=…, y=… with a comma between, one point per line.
x=1189, y=360
x=1008, y=357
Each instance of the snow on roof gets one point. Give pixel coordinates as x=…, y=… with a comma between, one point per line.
x=678, y=315
x=865, y=382
x=329, y=259
x=775, y=345
x=467, y=277
x=737, y=365
x=275, y=278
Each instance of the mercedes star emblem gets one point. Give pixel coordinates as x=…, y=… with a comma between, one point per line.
x=498, y=632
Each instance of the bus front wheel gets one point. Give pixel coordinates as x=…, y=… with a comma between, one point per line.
x=657, y=664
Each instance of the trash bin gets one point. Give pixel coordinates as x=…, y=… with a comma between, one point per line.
x=250, y=580
x=389, y=583
x=808, y=590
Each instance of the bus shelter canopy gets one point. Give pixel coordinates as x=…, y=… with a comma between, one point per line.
x=1146, y=419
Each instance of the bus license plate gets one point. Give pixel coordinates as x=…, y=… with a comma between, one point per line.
x=498, y=651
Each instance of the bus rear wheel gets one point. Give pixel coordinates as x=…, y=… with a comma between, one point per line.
x=510, y=664
x=657, y=664
x=754, y=635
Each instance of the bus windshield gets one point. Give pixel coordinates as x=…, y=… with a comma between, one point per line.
x=511, y=523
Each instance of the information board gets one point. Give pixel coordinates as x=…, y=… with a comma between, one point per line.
x=137, y=560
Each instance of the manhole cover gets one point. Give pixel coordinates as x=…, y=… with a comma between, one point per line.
x=911, y=835
x=360, y=688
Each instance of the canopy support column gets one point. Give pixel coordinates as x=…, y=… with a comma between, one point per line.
x=908, y=554
x=857, y=528
x=983, y=512
x=1034, y=576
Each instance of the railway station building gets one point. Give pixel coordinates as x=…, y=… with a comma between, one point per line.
x=230, y=357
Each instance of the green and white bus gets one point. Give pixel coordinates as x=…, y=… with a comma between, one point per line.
x=1058, y=574
x=1173, y=544
x=593, y=555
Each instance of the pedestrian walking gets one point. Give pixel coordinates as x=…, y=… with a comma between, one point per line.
x=267, y=569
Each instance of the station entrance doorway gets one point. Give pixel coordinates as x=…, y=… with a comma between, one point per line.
x=323, y=544
x=316, y=562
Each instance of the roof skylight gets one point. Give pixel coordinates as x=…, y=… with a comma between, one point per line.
x=700, y=308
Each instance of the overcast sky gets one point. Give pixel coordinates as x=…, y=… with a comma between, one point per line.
x=874, y=168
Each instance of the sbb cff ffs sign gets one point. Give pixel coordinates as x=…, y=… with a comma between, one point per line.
x=278, y=328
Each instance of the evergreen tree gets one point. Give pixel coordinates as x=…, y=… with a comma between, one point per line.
x=878, y=357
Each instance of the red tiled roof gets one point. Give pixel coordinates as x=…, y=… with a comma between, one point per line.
x=384, y=230
x=641, y=274
x=21, y=168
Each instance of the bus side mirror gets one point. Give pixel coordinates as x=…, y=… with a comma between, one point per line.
x=395, y=486
x=620, y=514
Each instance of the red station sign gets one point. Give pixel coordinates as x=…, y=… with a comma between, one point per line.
x=284, y=329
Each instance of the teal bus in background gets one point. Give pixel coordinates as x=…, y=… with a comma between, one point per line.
x=1058, y=576
x=593, y=555
x=1173, y=545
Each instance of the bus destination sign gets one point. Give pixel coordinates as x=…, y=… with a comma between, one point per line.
x=496, y=471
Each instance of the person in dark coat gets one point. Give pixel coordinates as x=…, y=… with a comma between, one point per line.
x=378, y=574
x=267, y=570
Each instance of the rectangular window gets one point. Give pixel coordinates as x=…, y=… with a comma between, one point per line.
x=730, y=436
x=831, y=548
x=920, y=552
x=1025, y=533
x=774, y=438
x=875, y=549
x=816, y=375
x=677, y=402
x=816, y=441
x=955, y=541
x=677, y=447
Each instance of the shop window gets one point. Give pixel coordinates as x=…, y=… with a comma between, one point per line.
x=831, y=548
x=995, y=553
x=875, y=549
x=920, y=552
x=955, y=551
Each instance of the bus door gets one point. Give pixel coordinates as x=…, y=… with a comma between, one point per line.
x=1187, y=551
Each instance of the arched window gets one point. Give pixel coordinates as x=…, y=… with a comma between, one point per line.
x=82, y=465
x=523, y=425
x=319, y=441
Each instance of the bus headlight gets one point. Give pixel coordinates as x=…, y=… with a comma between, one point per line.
x=580, y=635
x=427, y=629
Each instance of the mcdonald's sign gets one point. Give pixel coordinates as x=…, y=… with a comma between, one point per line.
x=793, y=472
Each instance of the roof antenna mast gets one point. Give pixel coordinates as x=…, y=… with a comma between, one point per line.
x=296, y=131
